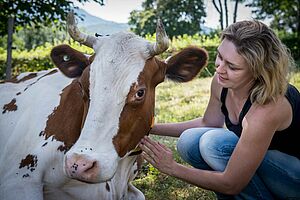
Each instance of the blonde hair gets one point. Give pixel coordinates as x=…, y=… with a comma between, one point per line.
x=268, y=58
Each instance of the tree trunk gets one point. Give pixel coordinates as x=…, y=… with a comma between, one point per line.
x=298, y=23
x=220, y=11
x=10, y=25
x=235, y=10
x=226, y=12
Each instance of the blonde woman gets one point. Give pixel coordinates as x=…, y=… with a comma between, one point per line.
x=257, y=155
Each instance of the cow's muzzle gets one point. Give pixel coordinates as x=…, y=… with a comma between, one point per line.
x=82, y=168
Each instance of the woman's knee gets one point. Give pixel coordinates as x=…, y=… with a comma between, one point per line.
x=188, y=145
x=216, y=147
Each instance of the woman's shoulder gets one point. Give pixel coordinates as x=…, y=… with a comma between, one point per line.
x=278, y=113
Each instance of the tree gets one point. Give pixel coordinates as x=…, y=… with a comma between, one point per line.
x=24, y=13
x=285, y=14
x=219, y=8
x=220, y=11
x=179, y=17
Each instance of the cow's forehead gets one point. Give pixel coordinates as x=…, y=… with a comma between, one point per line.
x=119, y=60
x=122, y=45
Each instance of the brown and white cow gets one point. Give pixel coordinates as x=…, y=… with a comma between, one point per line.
x=70, y=133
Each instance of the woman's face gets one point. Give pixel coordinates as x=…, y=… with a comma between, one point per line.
x=231, y=68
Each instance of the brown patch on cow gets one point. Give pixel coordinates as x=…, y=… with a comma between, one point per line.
x=11, y=106
x=30, y=162
x=136, y=116
x=65, y=123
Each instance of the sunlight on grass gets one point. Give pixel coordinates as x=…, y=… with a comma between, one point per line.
x=181, y=101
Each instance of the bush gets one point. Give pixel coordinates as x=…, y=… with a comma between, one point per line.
x=292, y=41
x=38, y=58
x=210, y=43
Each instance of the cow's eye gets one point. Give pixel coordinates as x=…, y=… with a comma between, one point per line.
x=66, y=58
x=139, y=95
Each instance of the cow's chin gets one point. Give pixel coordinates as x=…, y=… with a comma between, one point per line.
x=89, y=178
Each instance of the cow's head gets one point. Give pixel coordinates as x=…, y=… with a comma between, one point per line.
x=118, y=83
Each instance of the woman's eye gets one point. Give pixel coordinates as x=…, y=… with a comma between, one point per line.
x=140, y=94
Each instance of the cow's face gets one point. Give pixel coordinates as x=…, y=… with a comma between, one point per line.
x=119, y=86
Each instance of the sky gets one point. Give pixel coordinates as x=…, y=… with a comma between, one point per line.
x=119, y=11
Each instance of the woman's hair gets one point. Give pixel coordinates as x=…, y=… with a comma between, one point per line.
x=268, y=58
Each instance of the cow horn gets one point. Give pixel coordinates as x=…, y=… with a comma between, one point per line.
x=78, y=36
x=162, y=40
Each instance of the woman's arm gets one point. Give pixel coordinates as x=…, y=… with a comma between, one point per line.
x=212, y=117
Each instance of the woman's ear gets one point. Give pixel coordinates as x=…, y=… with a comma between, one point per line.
x=70, y=61
x=185, y=65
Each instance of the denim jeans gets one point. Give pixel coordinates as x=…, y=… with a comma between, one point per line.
x=278, y=176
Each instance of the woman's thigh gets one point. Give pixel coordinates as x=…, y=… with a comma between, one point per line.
x=281, y=174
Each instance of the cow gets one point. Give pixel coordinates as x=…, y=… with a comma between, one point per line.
x=72, y=132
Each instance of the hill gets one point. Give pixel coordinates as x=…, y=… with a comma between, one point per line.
x=92, y=24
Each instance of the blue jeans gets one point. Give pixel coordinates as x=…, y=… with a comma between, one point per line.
x=278, y=176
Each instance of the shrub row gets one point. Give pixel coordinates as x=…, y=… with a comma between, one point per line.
x=38, y=58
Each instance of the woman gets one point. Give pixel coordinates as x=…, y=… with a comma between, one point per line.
x=257, y=155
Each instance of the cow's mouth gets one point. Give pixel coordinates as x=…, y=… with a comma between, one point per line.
x=82, y=168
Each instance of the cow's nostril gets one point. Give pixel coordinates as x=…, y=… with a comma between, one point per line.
x=92, y=166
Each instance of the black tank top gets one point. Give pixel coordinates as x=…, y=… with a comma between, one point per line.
x=287, y=140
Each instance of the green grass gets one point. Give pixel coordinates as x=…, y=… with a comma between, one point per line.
x=179, y=102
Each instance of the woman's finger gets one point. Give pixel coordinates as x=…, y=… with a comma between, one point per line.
x=153, y=145
x=149, y=158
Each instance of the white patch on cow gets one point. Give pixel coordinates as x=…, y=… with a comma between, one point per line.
x=119, y=60
x=20, y=129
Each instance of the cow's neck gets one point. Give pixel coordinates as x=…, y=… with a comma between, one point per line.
x=66, y=121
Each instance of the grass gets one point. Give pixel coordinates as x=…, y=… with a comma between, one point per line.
x=179, y=102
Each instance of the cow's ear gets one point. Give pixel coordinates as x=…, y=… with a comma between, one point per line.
x=185, y=65
x=70, y=61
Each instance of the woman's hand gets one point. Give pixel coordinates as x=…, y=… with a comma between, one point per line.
x=158, y=155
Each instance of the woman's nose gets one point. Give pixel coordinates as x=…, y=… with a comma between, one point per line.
x=220, y=67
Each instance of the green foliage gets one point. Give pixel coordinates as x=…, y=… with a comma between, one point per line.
x=38, y=58
x=179, y=17
x=292, y=41
x=295, y=79
x=285, y=14
x=208, y=42
x=29, y=12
